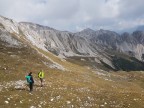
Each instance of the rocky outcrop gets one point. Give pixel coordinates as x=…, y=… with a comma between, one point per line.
x=87, y=43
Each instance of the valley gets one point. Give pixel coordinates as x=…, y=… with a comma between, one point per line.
x=78, y=73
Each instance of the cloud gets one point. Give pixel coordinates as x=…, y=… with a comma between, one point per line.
x=62, y=9
x=74, y=15
x=131, y=8
x=20, y=9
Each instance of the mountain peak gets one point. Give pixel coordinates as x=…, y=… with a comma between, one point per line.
x=88, y=30
x=88, y=33
x=36, y=25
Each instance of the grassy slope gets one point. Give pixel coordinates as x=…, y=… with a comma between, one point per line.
x=79, y=87
x=125, y=62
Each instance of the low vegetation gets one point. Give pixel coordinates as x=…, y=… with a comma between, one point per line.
x=127, y=64
x=76, y=87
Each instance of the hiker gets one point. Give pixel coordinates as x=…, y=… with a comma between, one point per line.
x=41, y=76
x=30, y=81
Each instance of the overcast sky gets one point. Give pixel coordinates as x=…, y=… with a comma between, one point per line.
x=75, y=15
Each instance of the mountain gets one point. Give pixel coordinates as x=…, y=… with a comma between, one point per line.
x=80, y=68
x=140, y=28
x=102, y=45
x=87, y=33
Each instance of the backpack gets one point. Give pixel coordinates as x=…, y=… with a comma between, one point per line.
x=41, y=74
x=28, y=78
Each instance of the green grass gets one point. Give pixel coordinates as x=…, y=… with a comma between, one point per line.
x=128, y=64
x=80, y=87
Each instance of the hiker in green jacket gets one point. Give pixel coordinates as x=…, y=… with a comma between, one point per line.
x=41, y=76
x=30, y=81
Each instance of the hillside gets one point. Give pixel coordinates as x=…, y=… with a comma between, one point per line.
x=79, y=88
x=73, y=70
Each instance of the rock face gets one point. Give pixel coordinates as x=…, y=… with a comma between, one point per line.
x=7, y=28
x=126, y=43
x=87, y=43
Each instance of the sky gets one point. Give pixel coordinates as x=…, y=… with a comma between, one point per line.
x=76, y=15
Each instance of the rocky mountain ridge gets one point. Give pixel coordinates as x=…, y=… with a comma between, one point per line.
x=87, y=43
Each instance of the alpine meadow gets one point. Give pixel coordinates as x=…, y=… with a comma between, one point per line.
x=82, y=70
x=100, y=65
